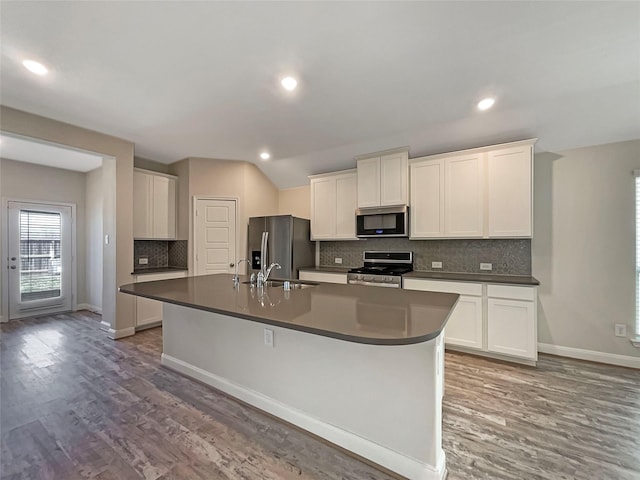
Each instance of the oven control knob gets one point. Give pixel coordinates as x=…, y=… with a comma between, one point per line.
x=367, y=278
x=388, y=279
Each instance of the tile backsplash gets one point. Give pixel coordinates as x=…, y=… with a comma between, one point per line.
x=160, y=253
x=508, y=257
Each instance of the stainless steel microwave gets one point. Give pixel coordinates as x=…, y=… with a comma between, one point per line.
x=382, y=222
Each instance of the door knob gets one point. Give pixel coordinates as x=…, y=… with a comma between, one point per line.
x=13, y=259
x=13, y=267
x=232, y=264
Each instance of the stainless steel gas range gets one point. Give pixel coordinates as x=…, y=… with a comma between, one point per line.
x=382, y=269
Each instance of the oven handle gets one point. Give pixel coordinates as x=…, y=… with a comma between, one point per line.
x=373, y=284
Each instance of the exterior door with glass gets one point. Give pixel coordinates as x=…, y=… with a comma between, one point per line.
x=40, y=259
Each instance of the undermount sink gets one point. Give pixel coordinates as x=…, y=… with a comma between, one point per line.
x=299, y=285
x=293, y=285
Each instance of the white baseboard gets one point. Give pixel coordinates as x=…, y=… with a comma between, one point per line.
x=2, y=319
x=385, y=457
x=591, y=355
x=123, y=332
x=91, y=308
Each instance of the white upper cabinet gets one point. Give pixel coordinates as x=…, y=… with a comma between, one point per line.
x=333, y=206
x=479, y=193
x=154, y=206
x=142, y=199
x=369, y=182
x=509, y=182
x=383, y=179
x=427, y=199
x=463, y=196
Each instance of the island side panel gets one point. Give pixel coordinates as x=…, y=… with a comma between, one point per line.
x=381, y=402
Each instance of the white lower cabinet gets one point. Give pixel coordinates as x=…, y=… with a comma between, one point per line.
x=511, y=321
x=149, y=312
x=464, y=327
x=506, y=328
x=327, y=277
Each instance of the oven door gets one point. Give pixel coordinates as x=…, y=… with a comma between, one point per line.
x=382, y=222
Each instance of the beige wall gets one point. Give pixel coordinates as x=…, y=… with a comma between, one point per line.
x=117, y=308
x=206, y=177
x=183, y=208
x=146, y=164
x=583, y=250
x=93, y=238
x=27, y=181
x=295, y=201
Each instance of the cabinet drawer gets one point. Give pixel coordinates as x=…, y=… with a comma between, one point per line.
x=509, y=291
x=152, y=277
x=461, y=288
x=324, y=277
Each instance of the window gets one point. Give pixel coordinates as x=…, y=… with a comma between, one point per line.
x=40, y=235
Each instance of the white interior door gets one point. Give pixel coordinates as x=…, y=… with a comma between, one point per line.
x=215, y=234
x=40, y=259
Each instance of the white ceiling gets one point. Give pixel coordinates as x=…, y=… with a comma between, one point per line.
x=43, y=153
x=201, y=78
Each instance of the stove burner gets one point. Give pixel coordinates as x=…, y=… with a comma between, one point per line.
x=383, y=269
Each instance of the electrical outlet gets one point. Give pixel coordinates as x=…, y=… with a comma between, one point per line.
x=621, y=330
x=337, y=260
x=486, y=266
x=436, y=264
x=143, y=261
x=268, y=337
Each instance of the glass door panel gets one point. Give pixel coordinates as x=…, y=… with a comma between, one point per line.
x=40, y=266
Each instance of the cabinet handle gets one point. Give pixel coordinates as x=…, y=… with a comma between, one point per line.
x=13, y=267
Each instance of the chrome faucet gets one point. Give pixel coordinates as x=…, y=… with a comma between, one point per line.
x=264, y=278
x=236, y=280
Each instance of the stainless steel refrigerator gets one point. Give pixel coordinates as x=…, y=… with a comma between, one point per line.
x=287, y=243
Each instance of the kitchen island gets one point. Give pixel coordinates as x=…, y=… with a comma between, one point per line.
x=361, y=367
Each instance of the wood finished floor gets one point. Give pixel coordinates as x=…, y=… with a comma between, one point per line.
x=75, y=405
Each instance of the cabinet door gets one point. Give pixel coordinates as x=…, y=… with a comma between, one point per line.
x=369, y=182
x=150, y=311
x=511, y=328
x=142, y=205
x=464, y=327
x=509, y=175
x=464, y=190
x=164, y=207
x=346, y=197
x=427, y=199
x=323, y=208
x=393, y=179
x=147, y=311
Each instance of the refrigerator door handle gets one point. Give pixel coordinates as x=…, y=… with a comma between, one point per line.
x=263, y=252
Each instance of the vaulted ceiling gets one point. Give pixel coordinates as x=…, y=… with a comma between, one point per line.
x=201, y=79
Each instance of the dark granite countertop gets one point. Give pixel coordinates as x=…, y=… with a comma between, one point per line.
x=355, y=313
x=475, y=277
x=142, y=271
x=326, y=269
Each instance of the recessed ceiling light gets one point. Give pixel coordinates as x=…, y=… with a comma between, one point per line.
x=289, y=83
x=265, y=156
x=486, y=103
x=35, y=67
